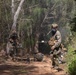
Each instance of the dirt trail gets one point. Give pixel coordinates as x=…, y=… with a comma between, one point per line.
x=33, y=68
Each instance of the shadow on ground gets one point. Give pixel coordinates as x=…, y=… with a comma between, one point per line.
x=15, y=70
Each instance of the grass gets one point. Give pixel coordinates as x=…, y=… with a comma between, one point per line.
x=71, y=55
x=71, y=48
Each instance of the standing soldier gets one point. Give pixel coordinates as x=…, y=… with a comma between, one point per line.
x=55, y=42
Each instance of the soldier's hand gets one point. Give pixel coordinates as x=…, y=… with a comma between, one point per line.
x=55, y=41
x=53, y=47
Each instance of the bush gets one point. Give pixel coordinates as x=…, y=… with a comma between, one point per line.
x=72, y=68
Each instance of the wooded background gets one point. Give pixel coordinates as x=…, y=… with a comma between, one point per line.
x=33, y=18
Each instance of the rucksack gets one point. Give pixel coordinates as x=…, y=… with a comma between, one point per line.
x=39, y=56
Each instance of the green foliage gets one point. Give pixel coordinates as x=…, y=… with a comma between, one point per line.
x=32, y=16
x=37, y=13
x=73, y=24
x=72, y=67
x=71, y=57
x=5, y=19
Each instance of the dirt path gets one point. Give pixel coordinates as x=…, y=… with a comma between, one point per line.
x=34, y=68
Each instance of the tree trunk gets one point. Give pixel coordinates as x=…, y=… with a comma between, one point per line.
x=13, y=8
x=16, y=15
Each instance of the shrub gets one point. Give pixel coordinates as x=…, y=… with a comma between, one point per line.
x=72, y=67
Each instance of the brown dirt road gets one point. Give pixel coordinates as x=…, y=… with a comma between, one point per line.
x=33, y=68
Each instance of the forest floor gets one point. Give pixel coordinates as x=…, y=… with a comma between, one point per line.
x=9, y=67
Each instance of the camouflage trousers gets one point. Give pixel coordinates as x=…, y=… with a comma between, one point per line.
x=55, y=55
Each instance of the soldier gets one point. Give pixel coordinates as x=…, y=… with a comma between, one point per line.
x=14, y=41
x=55, y=43
x=14, y=36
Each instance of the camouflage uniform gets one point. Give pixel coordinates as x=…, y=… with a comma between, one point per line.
x=57, y=37
x=57, y=42
x=13, y=39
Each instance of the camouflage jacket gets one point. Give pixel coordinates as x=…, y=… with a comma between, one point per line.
x=57, y=37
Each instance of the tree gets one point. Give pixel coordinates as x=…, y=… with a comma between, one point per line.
x=16, y=13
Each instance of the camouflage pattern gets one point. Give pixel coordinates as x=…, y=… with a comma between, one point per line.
x=55, y=57
x=12, y=44
x=57, y=38
x=56, y=42
x=38, y=56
